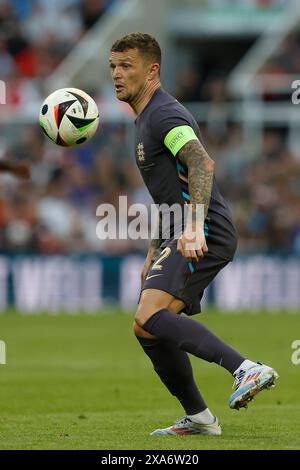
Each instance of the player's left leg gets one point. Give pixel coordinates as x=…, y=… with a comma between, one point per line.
x=174, y=369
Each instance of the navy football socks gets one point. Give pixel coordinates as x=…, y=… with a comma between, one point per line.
x=173, y=367
x=193, y=337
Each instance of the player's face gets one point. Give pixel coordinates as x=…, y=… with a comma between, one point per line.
x=129, y=72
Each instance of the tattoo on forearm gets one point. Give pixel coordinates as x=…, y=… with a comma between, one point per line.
x=200, y=173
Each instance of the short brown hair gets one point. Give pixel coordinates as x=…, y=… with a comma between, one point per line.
x=145, y=44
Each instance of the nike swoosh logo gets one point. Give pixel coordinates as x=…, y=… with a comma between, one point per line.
x=154, y=275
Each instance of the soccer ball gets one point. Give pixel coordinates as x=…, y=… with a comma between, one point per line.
x=69, y=117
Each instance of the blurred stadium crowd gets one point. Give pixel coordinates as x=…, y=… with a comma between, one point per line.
x=35, y=35
x=55, y=212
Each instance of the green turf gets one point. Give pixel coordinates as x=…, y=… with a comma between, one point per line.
x=82, y=382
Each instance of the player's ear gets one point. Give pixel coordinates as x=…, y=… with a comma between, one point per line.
x=153, y=71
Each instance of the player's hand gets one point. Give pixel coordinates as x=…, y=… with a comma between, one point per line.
x=192, y=244
x=150, y=256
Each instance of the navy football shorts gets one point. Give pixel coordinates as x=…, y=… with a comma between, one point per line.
x=172, y=273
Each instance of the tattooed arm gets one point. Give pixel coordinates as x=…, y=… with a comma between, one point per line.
x=200, y=166
x=200, y=173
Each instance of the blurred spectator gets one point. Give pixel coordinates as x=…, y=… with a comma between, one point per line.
x=188, y=85
x=214, y=91
x=92, y=10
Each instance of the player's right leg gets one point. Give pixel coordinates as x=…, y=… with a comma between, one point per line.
x=249, y=381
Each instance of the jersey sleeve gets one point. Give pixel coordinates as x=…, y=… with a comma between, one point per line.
x=171, y=129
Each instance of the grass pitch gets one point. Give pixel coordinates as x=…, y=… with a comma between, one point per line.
x=82, y=382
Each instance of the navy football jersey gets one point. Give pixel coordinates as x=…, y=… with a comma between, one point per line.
x=162, y=128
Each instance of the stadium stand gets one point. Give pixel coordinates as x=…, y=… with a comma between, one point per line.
x=55, y=211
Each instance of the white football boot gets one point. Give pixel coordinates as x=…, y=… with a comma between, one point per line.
x=185, y=426
x=249, y=383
